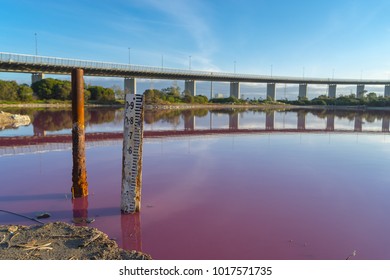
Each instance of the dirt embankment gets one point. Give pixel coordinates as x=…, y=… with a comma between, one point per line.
x=8, y=120
x=60, y=241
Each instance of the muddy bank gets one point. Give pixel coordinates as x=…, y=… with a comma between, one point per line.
x=60, y=241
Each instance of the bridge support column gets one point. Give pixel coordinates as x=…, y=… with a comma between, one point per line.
x=189, y=122
x=270, y=120
x=130, y=86
x=233, y=121
x=271, y=91
x=79, y=171
x=332, y=91
x=301, y=120
x=302, y=91
x=387, y=91
x=235, y=90
x=330, y=122
x=190, y=87
x=385, y=123
x=359, y=91
x=36, y=77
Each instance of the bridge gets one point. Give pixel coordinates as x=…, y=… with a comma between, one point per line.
x=40, y=65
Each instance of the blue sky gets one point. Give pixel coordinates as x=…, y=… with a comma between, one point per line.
x=347, y=39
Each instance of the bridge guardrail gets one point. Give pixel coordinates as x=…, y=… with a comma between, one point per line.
x=163, y=71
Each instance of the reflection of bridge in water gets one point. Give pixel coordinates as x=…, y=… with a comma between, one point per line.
x=43, y=143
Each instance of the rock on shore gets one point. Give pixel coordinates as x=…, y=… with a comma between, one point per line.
x=8, y=120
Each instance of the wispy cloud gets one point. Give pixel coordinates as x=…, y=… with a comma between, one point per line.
x=189, y=15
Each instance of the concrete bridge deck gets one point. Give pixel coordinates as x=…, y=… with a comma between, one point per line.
x=11, y=62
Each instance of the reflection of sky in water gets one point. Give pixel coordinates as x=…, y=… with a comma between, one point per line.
x=329, y=191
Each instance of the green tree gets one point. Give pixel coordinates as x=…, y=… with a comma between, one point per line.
x=62, y=90
x=101, y=94
x=171, y=91
x=8, y=90
x=201, y=99
x=44, y=89
x=25, y=92
x=188, y=98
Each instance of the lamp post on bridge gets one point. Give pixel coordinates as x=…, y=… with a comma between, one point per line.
x=129, y=56
x=189, y=61
x=36, y=44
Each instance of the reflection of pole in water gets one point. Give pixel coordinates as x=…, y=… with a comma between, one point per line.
x=131, y=231
x=80, y=211
x=79, y=172
x=211, y=120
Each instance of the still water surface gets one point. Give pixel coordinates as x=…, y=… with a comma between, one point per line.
x=268, y=185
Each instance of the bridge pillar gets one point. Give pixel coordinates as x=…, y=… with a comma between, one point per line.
x=332, y=91
x=358, y=122
x=385, y=123
x=190, y=87
x=233, y=121
x=359, y=91
x=79, y=171
x=302, y=91
x=235, y=90
x=301, y=120
x=330, y=122
x=387, y=90
x=271, y=91
x=270, y=120
x=130, y=86
x=36, y=77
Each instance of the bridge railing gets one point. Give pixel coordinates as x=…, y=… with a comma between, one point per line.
x=89, y=64
x=55, y=62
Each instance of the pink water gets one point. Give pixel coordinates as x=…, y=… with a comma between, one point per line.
x=268, y=196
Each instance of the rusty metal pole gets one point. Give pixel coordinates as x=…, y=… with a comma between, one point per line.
x=79, y=172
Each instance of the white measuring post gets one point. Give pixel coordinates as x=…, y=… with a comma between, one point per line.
x=132, y=154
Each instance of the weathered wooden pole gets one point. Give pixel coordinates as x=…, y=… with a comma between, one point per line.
x=132, y=154
x=79, y=172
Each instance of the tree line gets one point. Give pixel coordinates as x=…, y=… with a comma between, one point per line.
x=172, y=95
x=366, y=99
x=54, y=89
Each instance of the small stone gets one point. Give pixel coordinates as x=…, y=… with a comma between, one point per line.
x=12, y=229
x=43, y=216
